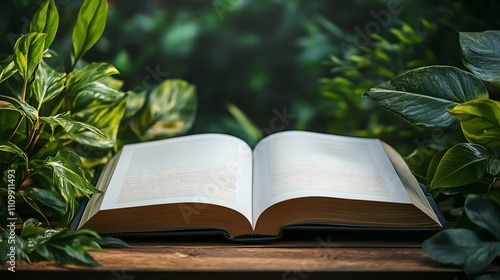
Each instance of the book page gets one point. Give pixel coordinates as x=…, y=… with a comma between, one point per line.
x=296, y=164
x=206, y=168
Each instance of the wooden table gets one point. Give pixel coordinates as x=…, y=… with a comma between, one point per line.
x=329, y=255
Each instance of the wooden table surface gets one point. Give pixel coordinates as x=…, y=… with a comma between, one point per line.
x=311, y=256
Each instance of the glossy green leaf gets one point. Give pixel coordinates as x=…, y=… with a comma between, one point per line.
x=484, y=213
x=419, y=161
x=480, y=121
x=88, y=74
x=462, y=164
x=480, y=258
x=46, y=20
x=32, y=204
x=112, y=242
x=68, y=177
x=481, y=54
x=14, y=104
x=169, y=110
x=9, y=147
x=421, y=96
x=48, y=84
x=105, y=111
x=433, y=165
x=451, y=246
x=47, y=198
x=7, y=68
x=80, y=132
x=89, y=26
x=135, y=101
x=494, y=167
x=31, y=228
x=28, y=53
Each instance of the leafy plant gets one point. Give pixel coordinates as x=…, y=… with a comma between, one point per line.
x=442, y=96
x=357, y=68
x=475, y=250
x=57, y=127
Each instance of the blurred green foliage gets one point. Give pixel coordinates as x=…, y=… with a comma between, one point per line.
x=273, y=56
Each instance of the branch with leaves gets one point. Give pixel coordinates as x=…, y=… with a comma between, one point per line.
x=438, y=97
x=57, y=127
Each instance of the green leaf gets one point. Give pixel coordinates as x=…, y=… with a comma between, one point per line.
x=451, y=246
x=88, y=74
x=493, y=195
x=433, y=165
x=109, y=241
x=481, y=54
x=48, y=84
x=68, y=177
x=77, y=131
x=462, y=164
x=89, y=27
x=103, y=108
x=31, y=227
x=46, y=20
x=9, y=147
x=485, y=213
x=135, y=101
x=25, y=109
x=248, y=126
x=7, y=68
x=169, y=110
x=28, y=53
x=48, y=198
x=480, y=258
x=421, y=96
x=480, y=121
x=419, y=161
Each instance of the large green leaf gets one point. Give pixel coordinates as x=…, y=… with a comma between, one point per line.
x=481, y=54
x=419, y=161
x=23, y=108
x=28, y=53
x=7, y=68
x=48, y=84
x=102, y=107
x=451, y=246
x=462, y=164
x=88, y=74
x=89, y=26
x=80, y=132
x=421, y=96
x=9, y=147
x=47, y=198
x=480, y=258
x=169, y=110
x=69, y=179
x=485, y=213
x=46, y=20
x=480, y=121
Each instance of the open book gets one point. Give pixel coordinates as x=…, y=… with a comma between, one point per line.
x=216, y=181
